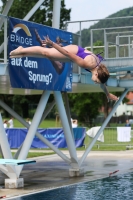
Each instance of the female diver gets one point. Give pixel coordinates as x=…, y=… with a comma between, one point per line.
x=70, y=53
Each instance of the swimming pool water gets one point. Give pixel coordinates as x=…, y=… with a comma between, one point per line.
x=112, y=188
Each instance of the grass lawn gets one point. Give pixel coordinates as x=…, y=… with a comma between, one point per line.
x=35, y=154
x=45, y=124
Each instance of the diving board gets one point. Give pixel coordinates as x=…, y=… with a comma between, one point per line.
x=119, y=64
x=15, y=162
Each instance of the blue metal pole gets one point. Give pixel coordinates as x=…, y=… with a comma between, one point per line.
x=33, y=127
x=102, y=127
x=11, y=171
x=66, y=127
x=68, y=112
x=56, y=14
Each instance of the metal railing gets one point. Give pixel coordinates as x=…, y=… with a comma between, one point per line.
x=113, y=47
x=116, y=43
x=118, y=48
x=111, y=140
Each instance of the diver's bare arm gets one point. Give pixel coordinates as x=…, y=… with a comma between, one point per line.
x=79, y=61
x=109, y=95
x=74, y=58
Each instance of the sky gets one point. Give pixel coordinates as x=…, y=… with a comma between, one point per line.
x=94, y=9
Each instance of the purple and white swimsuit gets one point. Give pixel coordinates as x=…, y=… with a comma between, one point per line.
x=82, y=54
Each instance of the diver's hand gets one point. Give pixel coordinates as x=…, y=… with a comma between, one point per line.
x=48, y=41
x=112, y=97
x=44, y=43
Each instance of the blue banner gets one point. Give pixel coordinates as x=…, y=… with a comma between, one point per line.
x=56, y=136
x=32, y=72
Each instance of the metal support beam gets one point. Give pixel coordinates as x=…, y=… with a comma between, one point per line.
x=105, y=42
x=91, y=38
x=21, y=120
x=5, y=11
x=4, y=142
x=129, y=48
x=33, y=10
x=47, y=111
x=102, y=127
x=56, y=14
x=117, y=46
x=80, y=44
x=66, y=128
x=5, y=41
x=68, y=112
x=1, y=152
x=59, y=100
x=33, y=127
x=6, y=152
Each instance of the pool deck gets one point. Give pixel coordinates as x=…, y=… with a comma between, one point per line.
x=51, y=172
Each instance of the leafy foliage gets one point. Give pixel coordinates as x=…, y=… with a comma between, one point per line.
x=85, y=106
x=43, y=15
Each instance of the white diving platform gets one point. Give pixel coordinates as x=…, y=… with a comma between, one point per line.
x=15, y=162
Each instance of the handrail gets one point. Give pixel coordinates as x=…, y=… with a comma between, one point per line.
x=92, y=20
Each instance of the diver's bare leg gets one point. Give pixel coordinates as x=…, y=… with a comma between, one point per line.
x=50, y=53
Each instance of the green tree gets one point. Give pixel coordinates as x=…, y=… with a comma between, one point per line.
x=85, y=106
x=43, y=15
x=8, y=100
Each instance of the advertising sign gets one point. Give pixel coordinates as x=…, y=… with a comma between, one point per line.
x=33, y=72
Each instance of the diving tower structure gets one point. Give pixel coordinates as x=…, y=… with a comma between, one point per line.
x=121, y=79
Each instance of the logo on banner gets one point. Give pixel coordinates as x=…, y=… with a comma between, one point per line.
x=22, y=26
x=20, y=39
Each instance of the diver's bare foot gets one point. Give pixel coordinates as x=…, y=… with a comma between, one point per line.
x=16, y=51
